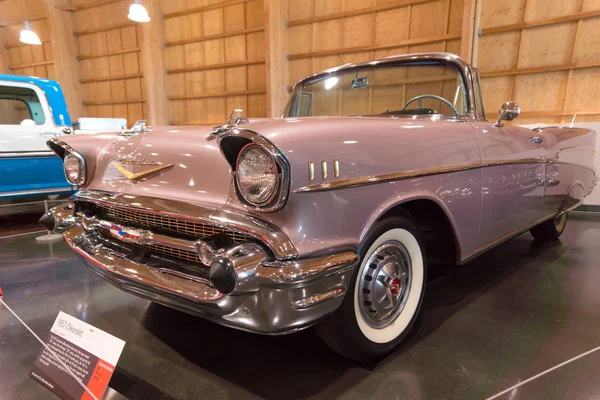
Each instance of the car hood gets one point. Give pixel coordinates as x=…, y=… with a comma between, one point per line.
x=189, y=168
x=359, y=146
x=366, y=146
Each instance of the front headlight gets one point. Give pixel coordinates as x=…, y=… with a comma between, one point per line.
x=74, y=166
x=257, y=176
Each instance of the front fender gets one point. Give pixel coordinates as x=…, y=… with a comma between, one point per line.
x=421, y=195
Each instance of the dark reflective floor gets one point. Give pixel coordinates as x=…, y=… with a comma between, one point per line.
x=516, y=311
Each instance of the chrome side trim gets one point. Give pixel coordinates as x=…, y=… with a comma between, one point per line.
x=374, y=179
x=276, y=240
x=27, y=154
x=503, y=239
x=36, y=191
x=394, y=176
x=593, y=149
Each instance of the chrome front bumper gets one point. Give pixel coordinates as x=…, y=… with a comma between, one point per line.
x=268, y=297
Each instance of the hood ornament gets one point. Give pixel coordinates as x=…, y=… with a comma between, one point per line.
x=235, y=118
x=137, y=128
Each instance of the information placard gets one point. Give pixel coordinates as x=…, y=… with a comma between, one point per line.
x=90, y=353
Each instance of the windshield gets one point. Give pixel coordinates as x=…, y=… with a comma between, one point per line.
x=399, y=90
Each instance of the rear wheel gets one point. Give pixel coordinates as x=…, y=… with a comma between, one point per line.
x=385, y=294
x=551, y=229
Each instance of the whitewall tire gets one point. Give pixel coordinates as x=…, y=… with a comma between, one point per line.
x=385, y=293
x=551, y=229
x=406, y=306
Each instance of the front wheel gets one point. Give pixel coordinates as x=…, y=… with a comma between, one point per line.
x=551, y=229
x=385, y=293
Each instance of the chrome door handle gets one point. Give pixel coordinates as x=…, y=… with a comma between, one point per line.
x=536, y=139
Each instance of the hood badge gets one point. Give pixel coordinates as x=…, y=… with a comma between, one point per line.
x=130, y=161
x=137, y=176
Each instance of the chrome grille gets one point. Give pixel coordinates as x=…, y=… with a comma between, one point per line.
x=183, y=255
x=165, y=223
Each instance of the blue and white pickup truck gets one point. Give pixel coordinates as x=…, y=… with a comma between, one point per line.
x=33, y=110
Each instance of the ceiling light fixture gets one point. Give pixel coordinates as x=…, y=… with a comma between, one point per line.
x=137, y=12
x=27, y=35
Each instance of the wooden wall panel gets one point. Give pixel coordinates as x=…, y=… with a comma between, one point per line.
x=543, y=54
x=215, y=58
x=324, y=34
x=26, y=59
x=110, y=64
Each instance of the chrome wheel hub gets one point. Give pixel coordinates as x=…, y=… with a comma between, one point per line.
x=384, y=284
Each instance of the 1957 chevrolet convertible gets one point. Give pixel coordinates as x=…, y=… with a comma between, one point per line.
x=329, y=215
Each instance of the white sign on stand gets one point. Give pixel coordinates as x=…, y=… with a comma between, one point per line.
x=90, y=354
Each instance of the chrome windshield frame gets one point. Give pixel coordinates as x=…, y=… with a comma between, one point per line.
x=403, y=60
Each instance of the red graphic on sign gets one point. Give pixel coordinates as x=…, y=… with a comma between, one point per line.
x=99, y=380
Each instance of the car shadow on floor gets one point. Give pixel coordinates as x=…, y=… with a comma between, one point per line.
x=300, y=365
x=452, y=288
x=292, y=366
x=133, y=387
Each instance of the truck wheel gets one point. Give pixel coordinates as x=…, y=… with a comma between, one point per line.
x=550, y=230
x=385, y=294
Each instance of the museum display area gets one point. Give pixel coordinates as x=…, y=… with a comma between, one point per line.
x=299, y=199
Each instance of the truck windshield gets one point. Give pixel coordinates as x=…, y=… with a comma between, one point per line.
x=399, y=90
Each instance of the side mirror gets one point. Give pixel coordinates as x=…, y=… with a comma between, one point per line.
x=507, y=112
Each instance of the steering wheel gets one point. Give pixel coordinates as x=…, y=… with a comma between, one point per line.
x=431, y=96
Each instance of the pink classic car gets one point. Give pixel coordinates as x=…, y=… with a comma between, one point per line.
x=327, y=216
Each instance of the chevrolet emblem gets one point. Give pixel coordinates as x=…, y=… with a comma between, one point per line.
x=136, y=176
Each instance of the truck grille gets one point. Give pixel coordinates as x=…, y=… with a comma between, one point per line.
x=161, y=223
